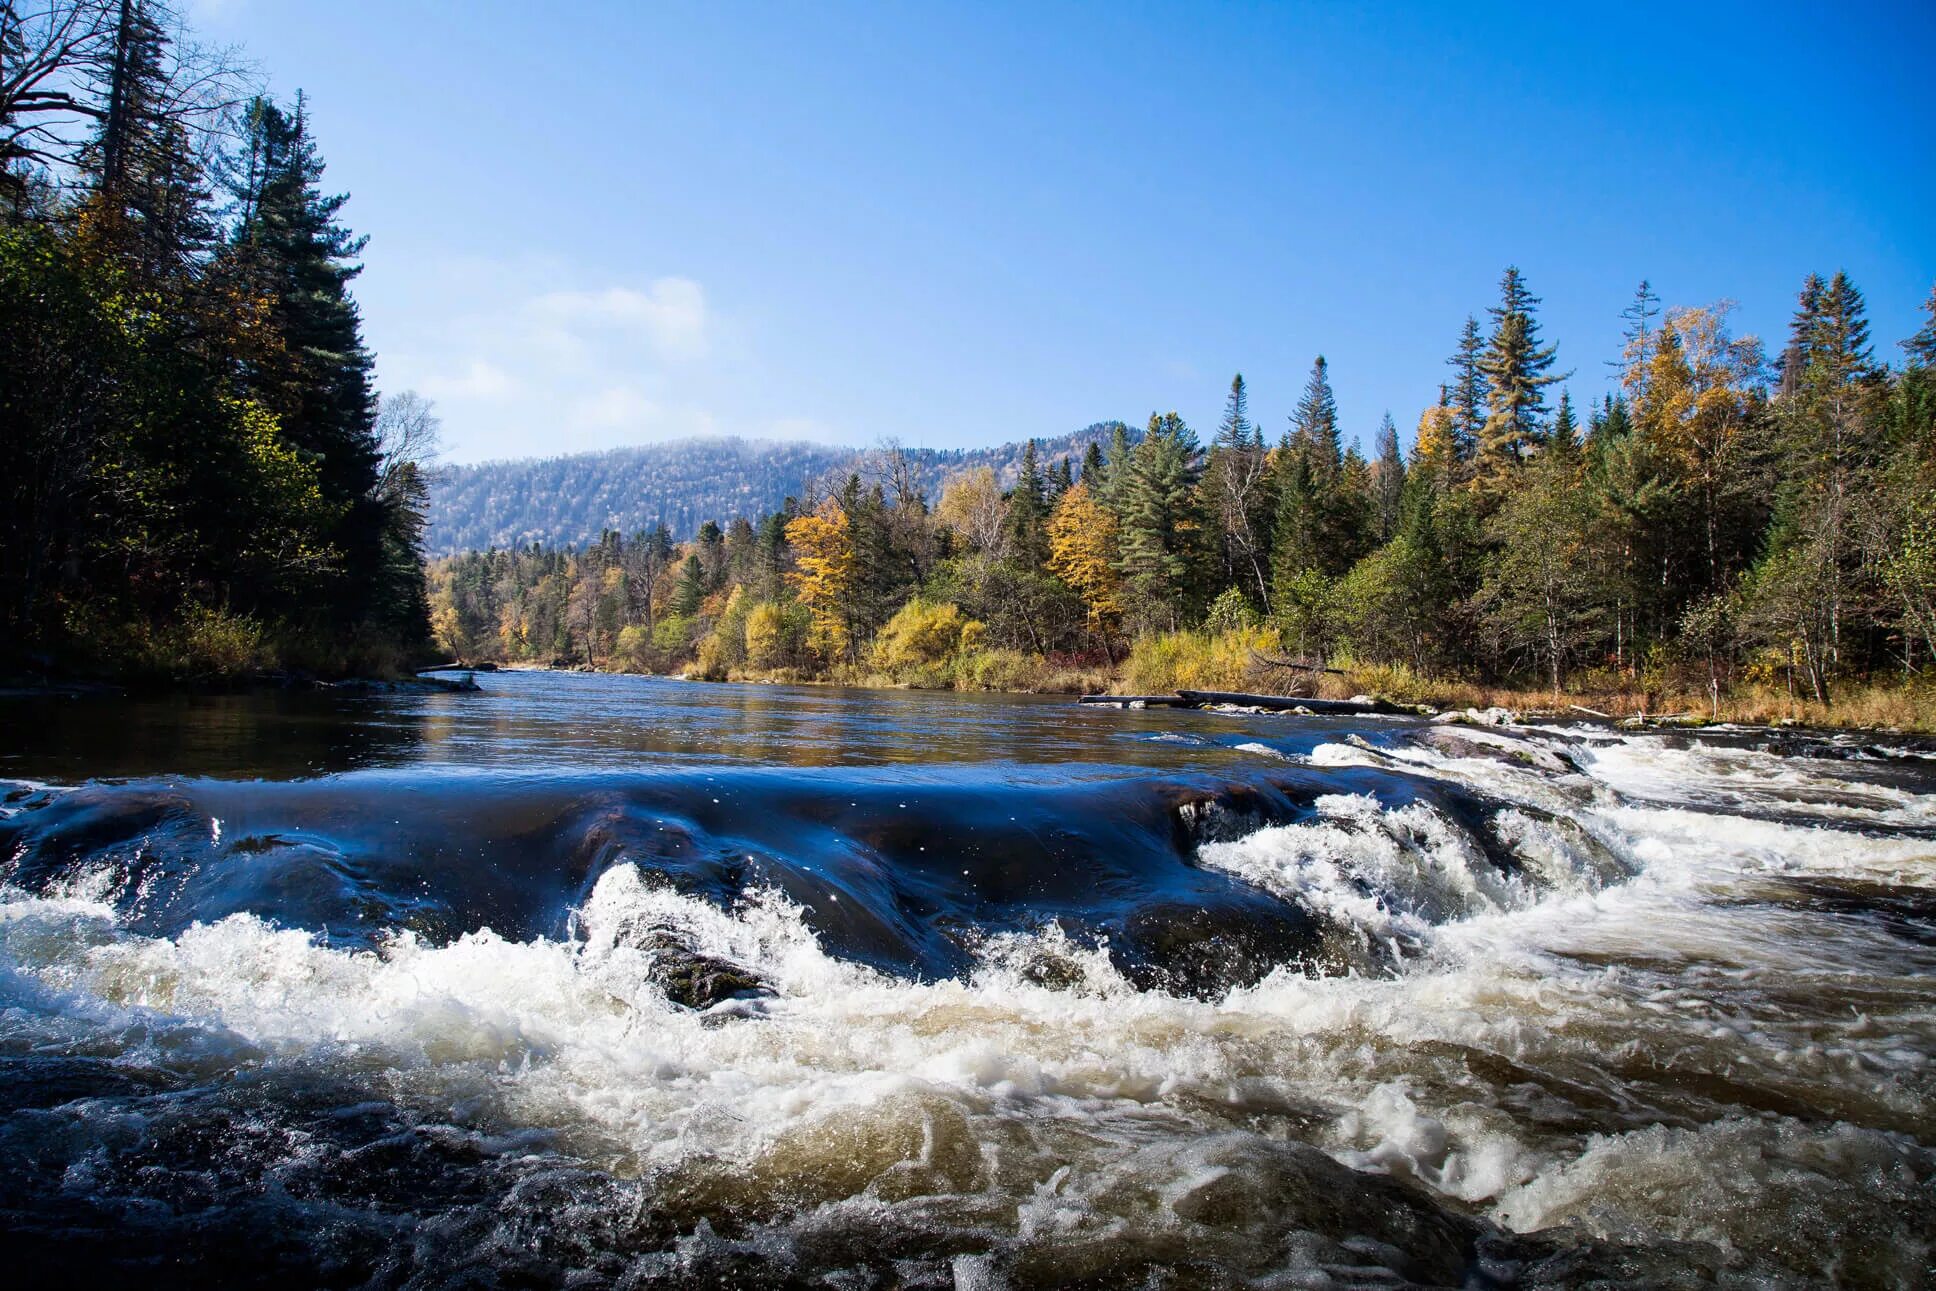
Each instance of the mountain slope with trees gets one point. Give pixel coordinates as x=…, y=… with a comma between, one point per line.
x=566, y=501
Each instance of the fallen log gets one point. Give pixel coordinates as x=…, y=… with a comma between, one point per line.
x=1153, y=701
x=1285, y=703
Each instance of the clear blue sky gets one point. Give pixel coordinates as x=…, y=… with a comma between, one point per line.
x=603, y=223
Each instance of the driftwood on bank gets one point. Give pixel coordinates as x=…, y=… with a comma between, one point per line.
x=1151, y=701
x=1287, y=702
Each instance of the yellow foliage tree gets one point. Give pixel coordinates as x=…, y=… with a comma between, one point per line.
x=972, y=506
x=1436, y=447
x=823, y=579
x=1696, y=389
x=1082, y=552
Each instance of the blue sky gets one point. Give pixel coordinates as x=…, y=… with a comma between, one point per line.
x=604, y=223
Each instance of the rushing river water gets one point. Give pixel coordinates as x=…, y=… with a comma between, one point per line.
x=590, y=981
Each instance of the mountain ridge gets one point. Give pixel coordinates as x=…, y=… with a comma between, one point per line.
x=569, y=499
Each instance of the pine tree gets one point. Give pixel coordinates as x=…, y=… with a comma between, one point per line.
x=1517, y=370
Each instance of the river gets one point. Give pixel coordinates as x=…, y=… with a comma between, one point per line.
x=588, y=981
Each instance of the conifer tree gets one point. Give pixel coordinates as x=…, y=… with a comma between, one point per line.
x=1236, y=491
x=1028, y=513
x=1467, y=396
x=1387, y=480
x=1092, y=467
x=294, y=256
x=1517, y=371
x=1156, y=540
x=1637, y=336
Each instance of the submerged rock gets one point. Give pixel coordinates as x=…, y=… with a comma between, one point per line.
x=697, y=981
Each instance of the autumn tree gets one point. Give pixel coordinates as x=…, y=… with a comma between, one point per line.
x=824, y=576
x=1082, y=553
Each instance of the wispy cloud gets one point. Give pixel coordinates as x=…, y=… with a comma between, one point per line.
x=519, y=364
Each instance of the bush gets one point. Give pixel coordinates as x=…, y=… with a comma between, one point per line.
x=916, y=645
x=1200, y=660
x=996, y=670
x=1230, y=612
x=776, y=635
x=723, y=651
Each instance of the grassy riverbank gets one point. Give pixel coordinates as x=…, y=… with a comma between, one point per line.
x=1238, y=660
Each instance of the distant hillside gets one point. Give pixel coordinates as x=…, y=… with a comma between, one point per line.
x=569, y=500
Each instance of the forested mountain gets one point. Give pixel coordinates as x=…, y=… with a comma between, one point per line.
x=569, y=501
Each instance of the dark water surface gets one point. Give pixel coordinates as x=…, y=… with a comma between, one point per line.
x=596, y=980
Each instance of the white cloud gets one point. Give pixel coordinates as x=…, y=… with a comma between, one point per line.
x=522, y=360
x=478, y=380
x=670, y=314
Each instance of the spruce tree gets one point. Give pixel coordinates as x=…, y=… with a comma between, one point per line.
x=1517, y=370
x=294, y=255
x=1156, y=552
x=1028, y=513
x=1092, y=467
x=1236, y=497
x=1467, y=396
x=1387, y=480
x=1638, y=334
x=1921, y=348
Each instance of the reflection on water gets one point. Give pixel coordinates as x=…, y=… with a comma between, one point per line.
x=580, y=722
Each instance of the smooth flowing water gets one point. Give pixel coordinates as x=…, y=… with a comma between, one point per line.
x=619, y=981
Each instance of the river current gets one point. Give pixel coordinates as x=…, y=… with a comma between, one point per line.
x=610, y=981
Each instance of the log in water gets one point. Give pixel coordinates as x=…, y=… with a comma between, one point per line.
x=593, y=981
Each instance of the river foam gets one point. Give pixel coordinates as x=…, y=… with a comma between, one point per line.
x=1599, y=1029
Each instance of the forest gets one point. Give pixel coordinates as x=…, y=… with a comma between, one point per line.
x=201, y=478
x=1730, y=530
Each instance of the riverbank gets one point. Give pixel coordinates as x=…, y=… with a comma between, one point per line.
x=1906, y=708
